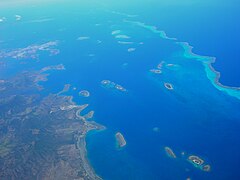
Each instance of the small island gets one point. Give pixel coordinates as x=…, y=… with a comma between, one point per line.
x=168, y=86
x=105, y=82
x=112, y=85
x=156, y=71
x=173, y=67
x=131, y=49
x=120, y=140
x=84, y=93
x=170, y=152
x=206, y=168
x=170, y=65
x=120, y=88
x=195, y=160
x=199, y=163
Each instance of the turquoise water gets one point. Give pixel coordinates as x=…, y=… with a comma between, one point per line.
x=198, y=117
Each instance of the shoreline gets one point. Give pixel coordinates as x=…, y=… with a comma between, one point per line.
x=87, y=126
x=81, y=140
x=86, y=164
x=81, y=144
x=67, y=158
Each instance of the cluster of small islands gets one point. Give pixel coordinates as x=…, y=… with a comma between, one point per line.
x=73, y=127
x=60, y=121
x=196, y=161
x=112, y=85
x=123, y=39
x=158, y=70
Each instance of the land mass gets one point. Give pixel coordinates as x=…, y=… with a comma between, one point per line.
x=42, y=136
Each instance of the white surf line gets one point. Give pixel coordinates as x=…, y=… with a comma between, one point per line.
x=2, y=19
x=122, y=14
x=81, y=38
x=125, y=42
x=40, y=20
x=18, y=17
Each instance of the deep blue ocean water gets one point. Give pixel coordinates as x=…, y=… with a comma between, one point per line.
x=195, y=118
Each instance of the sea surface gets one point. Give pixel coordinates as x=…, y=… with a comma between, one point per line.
x=211, y=27
x=198, y=117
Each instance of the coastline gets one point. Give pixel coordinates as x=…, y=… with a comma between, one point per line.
x=87, y=127
x=83, y=151
x=86, y=164
x=61, y=137
x=81, y=140
x=61, y=128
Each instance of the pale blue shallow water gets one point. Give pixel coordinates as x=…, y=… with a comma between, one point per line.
x=197, y=117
